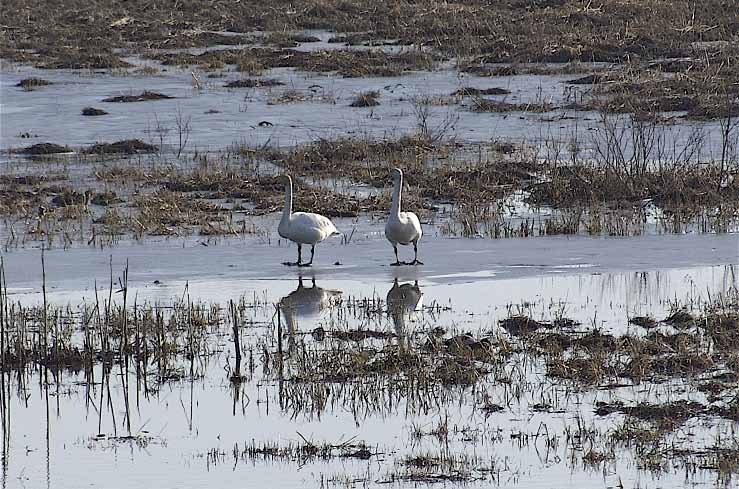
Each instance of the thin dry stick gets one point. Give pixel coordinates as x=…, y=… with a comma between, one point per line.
x=236, y=377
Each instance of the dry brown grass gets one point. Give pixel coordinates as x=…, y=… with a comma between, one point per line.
x=513, y=31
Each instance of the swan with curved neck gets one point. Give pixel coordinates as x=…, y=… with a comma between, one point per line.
x=402, y=228
x=303, y=227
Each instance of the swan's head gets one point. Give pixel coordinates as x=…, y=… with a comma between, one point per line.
x=397, y=174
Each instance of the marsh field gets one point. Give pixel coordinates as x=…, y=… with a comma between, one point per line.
x=575, y=169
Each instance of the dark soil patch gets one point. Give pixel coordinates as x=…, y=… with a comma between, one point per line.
x=144, y=96
x=92, y=111
x=128, y=146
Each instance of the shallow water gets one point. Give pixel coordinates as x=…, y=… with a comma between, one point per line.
x=187, y=429
x=53, y=113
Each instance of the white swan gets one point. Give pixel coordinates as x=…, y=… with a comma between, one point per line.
x=303, y=227
x=402, y=227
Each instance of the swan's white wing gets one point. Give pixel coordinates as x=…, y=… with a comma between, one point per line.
x=413, y=221
x=307, y=227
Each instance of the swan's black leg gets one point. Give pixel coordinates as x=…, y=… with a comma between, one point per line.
x=397, y=260
x=415, y=254
x=312, y=252
x=300, y=259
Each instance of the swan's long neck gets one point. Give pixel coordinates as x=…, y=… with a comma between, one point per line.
x=395, y=207
x=288, y=209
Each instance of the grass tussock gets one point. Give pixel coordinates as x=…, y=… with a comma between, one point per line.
x=144, y=96
x=366, y=99
x=92, y=112
x=29, y=84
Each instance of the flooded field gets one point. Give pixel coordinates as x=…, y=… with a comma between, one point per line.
x=573, y=320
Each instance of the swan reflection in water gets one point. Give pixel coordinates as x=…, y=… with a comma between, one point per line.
x=402, y=300
x=305, y=302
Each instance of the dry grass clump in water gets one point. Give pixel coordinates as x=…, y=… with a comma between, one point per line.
x=477, y=92
x=366, y=99
x=45, y=149
x=265, y=192
x=169, y=213
x=92, y=111
x=678, y=186
x=705, y=92
x=301, y=452
x=32, y=83
x=458, y=360
x=254, y=83
x=89, y=58
x=288, y=39
x=349, y=63
x=142, y=97
x=666, y=417
x=128, y=146
x=480, y=104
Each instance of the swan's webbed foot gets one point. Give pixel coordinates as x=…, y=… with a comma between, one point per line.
x=416, y=262
x=305, y=264
x=397, y=263
x=292, y=263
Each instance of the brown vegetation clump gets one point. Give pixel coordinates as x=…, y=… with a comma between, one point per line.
x=93, y=57
x=480, y=104
x=92, y=111
x=366, y=99
x=254, y=83
x=142, y=97
x=666, y=417
x=349, y=63
x=32, y=83
x=477, y=92
x=127, y=146
x=45, y=149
